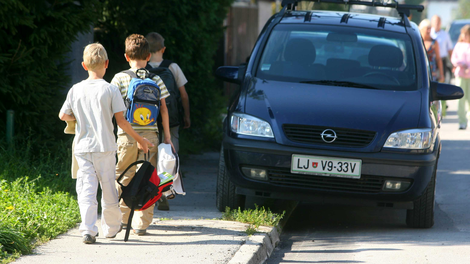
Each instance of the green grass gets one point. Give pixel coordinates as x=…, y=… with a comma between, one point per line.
x=254, y=217
x=37, y=196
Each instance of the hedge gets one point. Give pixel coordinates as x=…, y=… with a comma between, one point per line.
x=192, y=32
x=36, y=36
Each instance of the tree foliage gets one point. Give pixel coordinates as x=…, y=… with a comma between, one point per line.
x=192, y=32
x=36, y=35
x=463, y=11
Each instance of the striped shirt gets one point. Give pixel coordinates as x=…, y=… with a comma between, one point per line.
x=122, y=81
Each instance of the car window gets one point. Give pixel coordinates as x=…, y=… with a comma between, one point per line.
x=454, y=31
x=313, y=53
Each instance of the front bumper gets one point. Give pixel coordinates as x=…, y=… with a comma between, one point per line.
x=282, y=184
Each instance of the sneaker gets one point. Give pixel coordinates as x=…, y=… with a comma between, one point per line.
x=140, y=232
x=463, y=126
x=163, y=204
x=123, y=226
x=120, y=229
x=89, y=239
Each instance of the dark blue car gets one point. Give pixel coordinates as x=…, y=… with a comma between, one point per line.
x=335, y=107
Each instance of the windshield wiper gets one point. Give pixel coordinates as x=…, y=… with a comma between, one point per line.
x=341, y=83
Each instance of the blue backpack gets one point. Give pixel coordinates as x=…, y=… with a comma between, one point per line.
x=143, y=99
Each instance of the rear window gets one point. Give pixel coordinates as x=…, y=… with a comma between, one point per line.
x=311, y=53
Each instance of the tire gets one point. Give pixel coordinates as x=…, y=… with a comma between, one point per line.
x=225, y=193
x=422, y=216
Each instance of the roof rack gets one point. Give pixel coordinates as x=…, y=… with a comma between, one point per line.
x=402, y=9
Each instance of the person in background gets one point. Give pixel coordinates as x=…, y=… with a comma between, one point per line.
x=432, y=50
x=157, y=48
x=461, y=61
x=445, y=43
x=445, y=50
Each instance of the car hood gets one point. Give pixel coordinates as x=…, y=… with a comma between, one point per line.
x=382, y=111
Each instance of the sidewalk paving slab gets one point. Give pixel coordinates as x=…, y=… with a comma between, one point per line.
x=190, y=232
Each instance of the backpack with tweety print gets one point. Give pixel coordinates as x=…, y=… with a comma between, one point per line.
x=143, y=100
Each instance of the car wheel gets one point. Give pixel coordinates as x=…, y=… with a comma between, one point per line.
x=422, y=216
x=225, y=193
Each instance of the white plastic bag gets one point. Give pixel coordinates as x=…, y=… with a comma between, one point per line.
x=169, y=162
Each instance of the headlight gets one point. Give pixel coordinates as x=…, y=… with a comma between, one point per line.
x=410, y=139
x=250, y=125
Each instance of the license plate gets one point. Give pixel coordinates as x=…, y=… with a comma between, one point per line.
x=326, y=166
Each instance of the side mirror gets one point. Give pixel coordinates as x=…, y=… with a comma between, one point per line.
x=443, y=91
x=231, y=74
x=228, y=74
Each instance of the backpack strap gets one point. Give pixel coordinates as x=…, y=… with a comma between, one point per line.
x=130, y=73
x=134, y=74
x=129, y=223
x=166, y=63
x=122, y=174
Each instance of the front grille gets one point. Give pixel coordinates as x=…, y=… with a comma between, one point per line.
x=312, y=135
x=366, y=184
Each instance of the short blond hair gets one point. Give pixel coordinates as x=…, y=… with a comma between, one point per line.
x=94, y=56
x=426, y=23
x=156, y=41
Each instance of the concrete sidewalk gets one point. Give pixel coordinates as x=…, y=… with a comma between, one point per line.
x=190, y=232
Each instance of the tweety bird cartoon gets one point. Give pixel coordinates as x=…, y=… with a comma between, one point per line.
x=142, y=116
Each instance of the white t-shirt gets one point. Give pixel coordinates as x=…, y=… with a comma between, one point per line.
x=445, y=43
x=94, y=103
x=177, y=72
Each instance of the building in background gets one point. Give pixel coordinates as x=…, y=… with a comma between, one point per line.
x=75, y=57
x=245, y=20
x=446, y=9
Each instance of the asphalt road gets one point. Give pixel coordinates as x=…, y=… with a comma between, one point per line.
x=342, y=234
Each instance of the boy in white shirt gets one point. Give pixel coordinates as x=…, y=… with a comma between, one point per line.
x=93, y=103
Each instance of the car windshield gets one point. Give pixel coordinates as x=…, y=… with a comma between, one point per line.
x=340, y=56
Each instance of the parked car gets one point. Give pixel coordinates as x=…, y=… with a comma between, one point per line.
x=454, y=29
x=335, y=107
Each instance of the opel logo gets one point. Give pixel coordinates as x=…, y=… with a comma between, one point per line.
x=328, y=135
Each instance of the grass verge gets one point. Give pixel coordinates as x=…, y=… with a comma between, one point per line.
x=253, y=217
x=37, y=197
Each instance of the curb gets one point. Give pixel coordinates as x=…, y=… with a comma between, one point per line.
x=259, y=247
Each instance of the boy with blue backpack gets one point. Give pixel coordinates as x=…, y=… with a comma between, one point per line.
x=143, y=121
x=93, y=103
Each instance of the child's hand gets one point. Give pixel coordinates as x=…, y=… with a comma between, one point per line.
x=168, y=141
x=187, y=122
x=144, y=145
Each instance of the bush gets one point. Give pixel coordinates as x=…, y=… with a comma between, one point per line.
x=192, y=32
x=37, y=213
x=35, y=159
x=36, y=35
